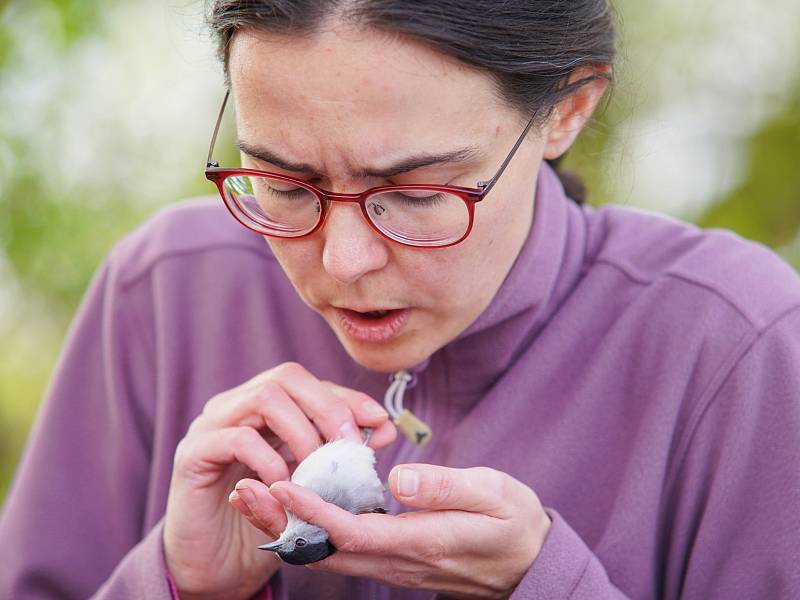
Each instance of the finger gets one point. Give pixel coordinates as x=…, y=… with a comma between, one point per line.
x=371, y=533
x=210, y=453
x=331, y=414
x=403, y=573
x=383, y=435
x=253, y=500
x=352, y=565
x=367, y=411
x=479, y=489
x=417, y=537
x=266, y=405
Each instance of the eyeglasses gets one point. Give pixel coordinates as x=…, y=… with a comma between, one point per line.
x=419, y=215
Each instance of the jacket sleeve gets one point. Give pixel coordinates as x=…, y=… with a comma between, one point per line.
x=73, y=522
x=732, y=524
x=735, y=502
x=565, y=569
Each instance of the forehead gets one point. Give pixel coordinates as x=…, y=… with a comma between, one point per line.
x=385, y=90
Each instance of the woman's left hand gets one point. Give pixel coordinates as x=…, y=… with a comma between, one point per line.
x=477, y=533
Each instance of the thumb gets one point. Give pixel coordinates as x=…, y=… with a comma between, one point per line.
x=478, y=489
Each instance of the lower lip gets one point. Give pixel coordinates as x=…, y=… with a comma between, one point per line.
x=363, y=329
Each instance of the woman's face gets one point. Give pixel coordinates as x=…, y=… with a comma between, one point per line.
x=347, y=102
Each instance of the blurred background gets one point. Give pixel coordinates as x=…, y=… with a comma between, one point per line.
x=106, y=109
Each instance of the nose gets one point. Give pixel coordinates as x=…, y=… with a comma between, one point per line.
x=352, y=248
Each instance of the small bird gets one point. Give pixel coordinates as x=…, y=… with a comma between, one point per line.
x=341, y=472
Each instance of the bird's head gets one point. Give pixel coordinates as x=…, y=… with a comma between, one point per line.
x=301, y=543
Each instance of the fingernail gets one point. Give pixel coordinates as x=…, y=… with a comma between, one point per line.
x=246, y=494
x=347, y=429
x=375, y=410
x=279, y=493
x=407, y=482
x=234, y=496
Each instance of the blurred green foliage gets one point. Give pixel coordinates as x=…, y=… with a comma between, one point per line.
x=76, y=18
x=766, y=205
x=52, y=242
x=54, y=245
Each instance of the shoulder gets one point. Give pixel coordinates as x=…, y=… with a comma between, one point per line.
x=711, y=266
x=188, y=233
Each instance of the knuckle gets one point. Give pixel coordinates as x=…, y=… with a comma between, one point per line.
x=502, y=483
x=196, y=426
x=183, y=454
x=407, y=577
x=488, y=474
x=434, y=552
x=337, y=412
x=361, y=400
x=268, y=391
x=288, y=370
x=492, y=478
x=505, y=490
x=442, y=488
x=357, y=544
x=498, y=582
x=355, y=397
x=512, y=491
x=213, y=403
x=245, y=437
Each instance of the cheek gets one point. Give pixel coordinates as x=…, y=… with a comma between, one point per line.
x=446, y=278
x=504, y=227
x=498, y=234
x=300, y=260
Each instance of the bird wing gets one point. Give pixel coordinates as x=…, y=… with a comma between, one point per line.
x=364, y=497
x=342, y=473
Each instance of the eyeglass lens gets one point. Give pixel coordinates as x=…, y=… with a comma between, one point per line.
x=423, y=217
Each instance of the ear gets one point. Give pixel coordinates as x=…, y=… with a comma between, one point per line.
x=573, y=112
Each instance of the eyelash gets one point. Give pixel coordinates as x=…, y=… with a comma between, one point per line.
x=290, y=194
x=428, y=201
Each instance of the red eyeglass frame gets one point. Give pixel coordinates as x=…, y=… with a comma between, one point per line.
x=470, y=196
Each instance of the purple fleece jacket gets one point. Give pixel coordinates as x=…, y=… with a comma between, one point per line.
x=639, y=374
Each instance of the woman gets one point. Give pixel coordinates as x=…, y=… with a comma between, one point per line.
x=609, y=397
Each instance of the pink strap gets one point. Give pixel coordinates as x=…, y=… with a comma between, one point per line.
x=265, y=594
x=173, y=591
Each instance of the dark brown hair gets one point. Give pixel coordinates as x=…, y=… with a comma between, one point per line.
x=529, y=47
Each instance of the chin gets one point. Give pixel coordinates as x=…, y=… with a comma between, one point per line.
x=384, y=360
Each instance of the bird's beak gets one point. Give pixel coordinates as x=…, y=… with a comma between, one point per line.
x=272, y=546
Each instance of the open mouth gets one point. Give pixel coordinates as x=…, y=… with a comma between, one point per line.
x=375, y=314
x=372, y=325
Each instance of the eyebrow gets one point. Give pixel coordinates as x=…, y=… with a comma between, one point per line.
x=405, y=165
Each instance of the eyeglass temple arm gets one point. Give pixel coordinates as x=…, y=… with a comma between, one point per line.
x=485, y=186
x=209, y=162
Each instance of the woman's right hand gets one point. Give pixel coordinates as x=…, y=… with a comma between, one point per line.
x=260, y=429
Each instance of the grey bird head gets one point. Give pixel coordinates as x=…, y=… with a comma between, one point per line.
x=301, y=543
